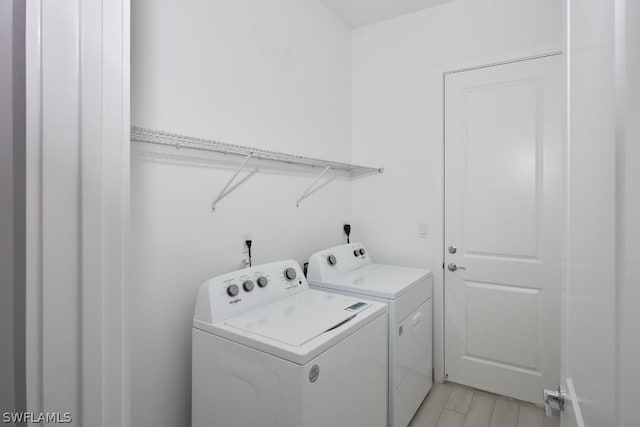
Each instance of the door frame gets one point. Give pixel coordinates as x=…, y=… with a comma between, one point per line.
x=84, y=372
x=439, y=178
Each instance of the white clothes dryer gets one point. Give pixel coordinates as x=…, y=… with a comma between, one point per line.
x=347, y=269
x=270, y=352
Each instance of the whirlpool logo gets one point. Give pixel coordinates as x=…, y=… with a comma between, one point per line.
x=314, y=373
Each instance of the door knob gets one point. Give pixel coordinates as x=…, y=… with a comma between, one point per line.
x=453, y=267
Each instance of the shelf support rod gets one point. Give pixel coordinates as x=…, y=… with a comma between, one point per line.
x=311, y=187
x=224, y=191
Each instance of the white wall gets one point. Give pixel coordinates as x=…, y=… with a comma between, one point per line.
x=394, y=107
x=274, y=75
x=396, y=121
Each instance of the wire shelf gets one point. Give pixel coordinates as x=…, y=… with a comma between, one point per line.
x=152, y=136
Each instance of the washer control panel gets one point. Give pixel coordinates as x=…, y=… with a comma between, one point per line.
x=237, y=292
x=337, y=260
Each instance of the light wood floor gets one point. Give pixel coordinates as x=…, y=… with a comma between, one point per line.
x=452, y=405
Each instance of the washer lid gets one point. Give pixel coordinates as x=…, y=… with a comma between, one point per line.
x=299, y=319
x=380, y=280
x=300, y=327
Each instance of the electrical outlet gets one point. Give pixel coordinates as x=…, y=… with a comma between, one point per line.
x=247, y=235
x=244, y=262
x=346, y=228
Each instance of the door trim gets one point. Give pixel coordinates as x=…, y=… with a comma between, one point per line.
x=438, y=222
x=78, y=146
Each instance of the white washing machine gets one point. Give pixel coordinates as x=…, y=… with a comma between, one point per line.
x=268, y=351
x=408, y=292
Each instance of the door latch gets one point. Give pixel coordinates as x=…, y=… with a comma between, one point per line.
x=553, y=400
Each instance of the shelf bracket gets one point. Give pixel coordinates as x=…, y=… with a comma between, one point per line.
x=226, y=190
x=312, y=188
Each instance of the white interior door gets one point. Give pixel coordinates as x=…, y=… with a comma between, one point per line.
x=503, y=214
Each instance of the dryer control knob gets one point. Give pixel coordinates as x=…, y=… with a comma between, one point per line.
x=248, y=286
x=233, y=290
x=262, y=281
x=362, y=252
x=290, y=273
x=356, y=253
x=331, y=259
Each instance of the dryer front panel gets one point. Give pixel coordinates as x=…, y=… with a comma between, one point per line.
x=413, y=340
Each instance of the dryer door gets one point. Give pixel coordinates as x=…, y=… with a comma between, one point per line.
x=413, y=339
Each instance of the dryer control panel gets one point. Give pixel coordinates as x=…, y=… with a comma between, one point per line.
x=337, y=260
x=237, y=292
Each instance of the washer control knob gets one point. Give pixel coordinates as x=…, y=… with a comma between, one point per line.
x=356, y=253
x=362, y=252
x=262, y=281
x=248, y=285
x=290, y=273
x=233, y=290
x=331, y=259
